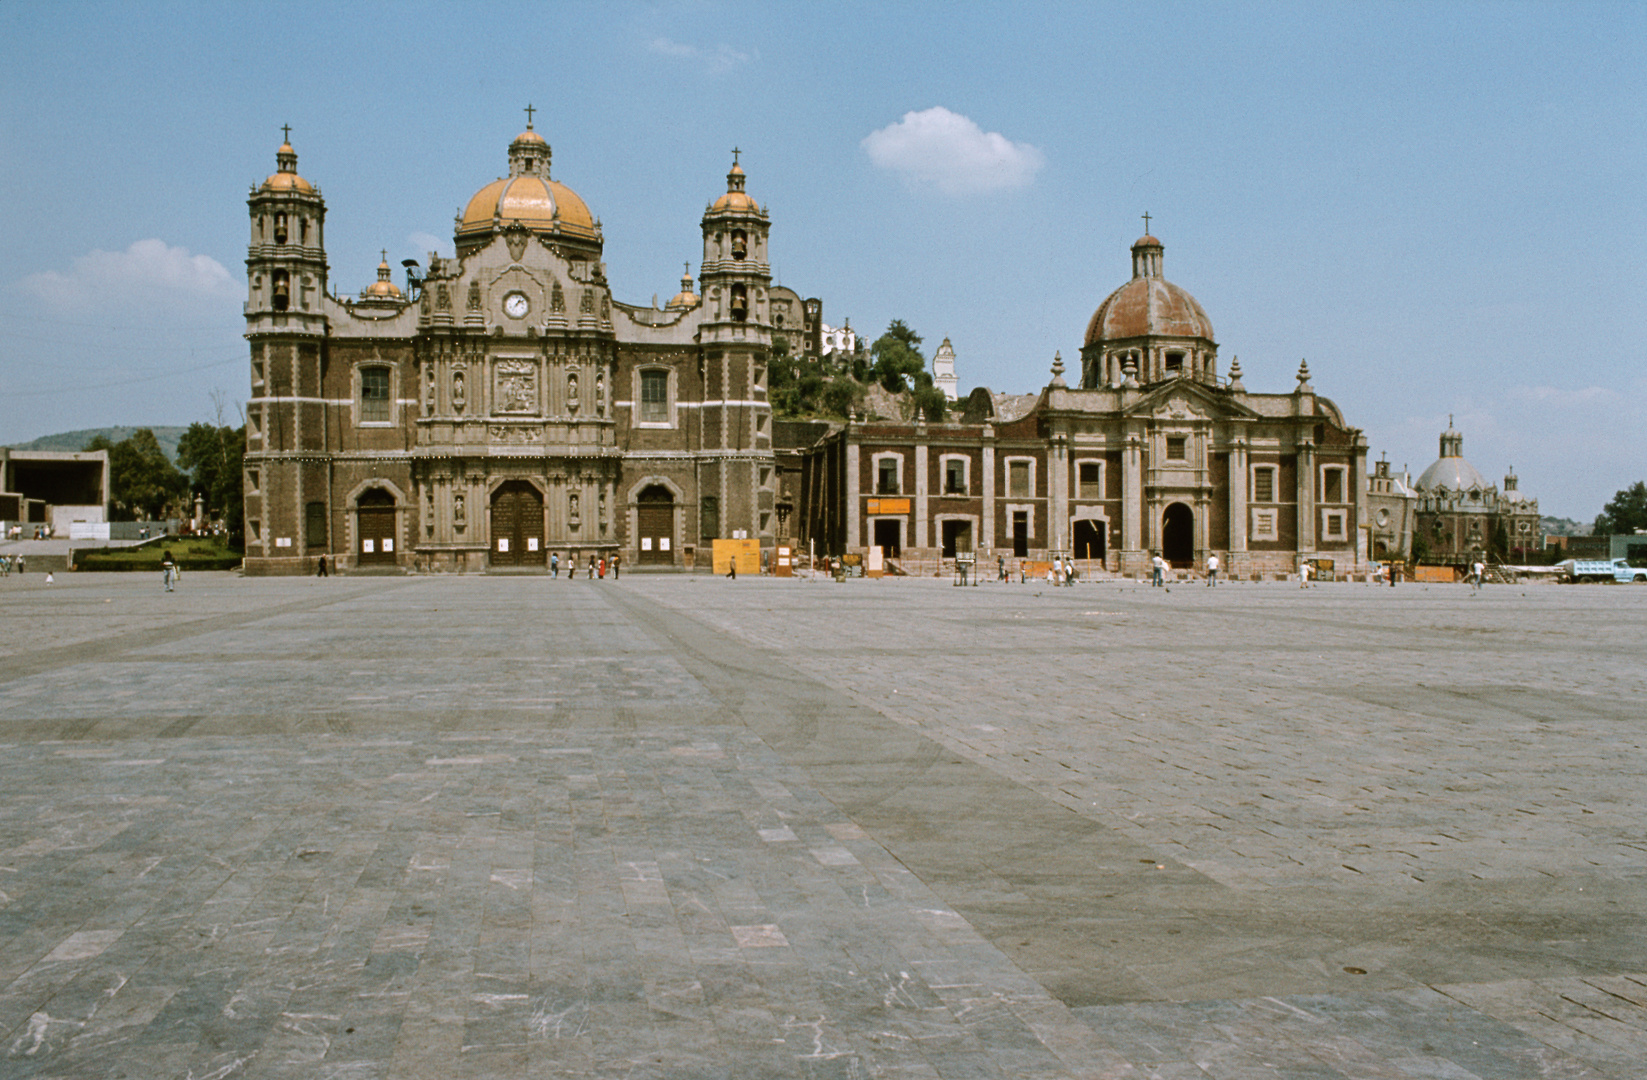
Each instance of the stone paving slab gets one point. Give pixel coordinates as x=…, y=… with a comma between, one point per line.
x=681, y=827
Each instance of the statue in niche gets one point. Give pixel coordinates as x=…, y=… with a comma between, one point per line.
x=429, y=390
x=459, y=398
x=474, y=296
x=600, y=393
x=443, y=297
x=602, y=505
x=605, y=308
x=586, y=306
x=572, y=508
x=572, y=391
x=557, y=300
x=458, y=516
x=424, y=303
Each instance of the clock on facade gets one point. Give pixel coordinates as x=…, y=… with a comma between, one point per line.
x=515, y=305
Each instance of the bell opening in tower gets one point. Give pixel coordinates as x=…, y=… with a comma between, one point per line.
x=740, y=302
x=740, y=244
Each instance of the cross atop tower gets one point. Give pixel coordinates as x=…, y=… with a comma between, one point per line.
x=529, y=112
x=286, y=132
x=735, y=153
x=1146, y=223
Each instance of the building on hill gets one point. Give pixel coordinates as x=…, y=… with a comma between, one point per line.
x=506, y=404
x=1462, y=517
x=1152, y=451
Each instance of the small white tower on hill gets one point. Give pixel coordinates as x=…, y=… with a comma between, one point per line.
x=943, y=370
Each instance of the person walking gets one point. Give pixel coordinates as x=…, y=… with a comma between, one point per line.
x=168, y=571
x=1159, y=566
x=600, y=568
x=321, y=572
x=554, y=564
x=1000, y=568
x=591, y=567
x=1303, y=575
x=1212, y=570
x=1478, y=571
x=615, y=559
x=22, y=565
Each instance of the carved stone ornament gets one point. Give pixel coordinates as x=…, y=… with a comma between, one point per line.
x=605, y=308
x=600, y=393
x=458, y=517
x=586, y=306
x=557, y=299
x=513, y=433
x=572, y=509
x=515, y=386
x=572, y=391
x=516, y=237
x=443, y=297
x=474, y=296
x=459, y=397
x=424, y=303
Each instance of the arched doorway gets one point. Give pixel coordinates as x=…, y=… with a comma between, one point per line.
x=1088, y=537
x=375, y=528
x=517, y=524
x=1178, y=536
x=655, y=525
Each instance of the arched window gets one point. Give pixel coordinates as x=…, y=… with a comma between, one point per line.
x=282, y=285
x=740, y=302
x=740, y=244
x=280, y=227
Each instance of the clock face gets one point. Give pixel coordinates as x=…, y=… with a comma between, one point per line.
x=515, y=305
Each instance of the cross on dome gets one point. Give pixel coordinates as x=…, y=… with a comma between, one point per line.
x=1146, y=222
x=529, y=112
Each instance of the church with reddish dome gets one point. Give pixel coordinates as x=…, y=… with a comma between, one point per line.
x=507, y=406
x=1147, y=449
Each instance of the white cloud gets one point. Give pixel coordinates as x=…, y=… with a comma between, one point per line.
x=1565, y=397
x=150, y=272
x=424, y=243
x=716, y=61
x=945, y=150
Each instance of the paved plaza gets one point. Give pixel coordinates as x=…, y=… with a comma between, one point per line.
x=684, y=827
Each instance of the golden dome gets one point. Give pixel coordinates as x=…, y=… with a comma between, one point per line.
x=530, y=136
x=735, y=198
x=286, y=178
x=530, y=200
x=382, y=288
x=686, y=299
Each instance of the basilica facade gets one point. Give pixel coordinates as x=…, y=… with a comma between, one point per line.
x=506, y=405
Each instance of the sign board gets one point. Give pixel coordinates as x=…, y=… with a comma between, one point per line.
x=746, y=553
x=784, y=564
x=1324, y=570
x=875, y=564
x=889, y=506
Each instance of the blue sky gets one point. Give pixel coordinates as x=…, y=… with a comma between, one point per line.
x=1439, y=206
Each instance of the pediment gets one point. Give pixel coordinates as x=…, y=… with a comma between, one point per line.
x=1184, y=400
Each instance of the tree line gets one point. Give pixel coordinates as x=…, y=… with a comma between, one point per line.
x=144, y=485
x=801, y=388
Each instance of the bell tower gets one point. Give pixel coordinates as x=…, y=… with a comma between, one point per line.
x=735, y=339
x=286, y=326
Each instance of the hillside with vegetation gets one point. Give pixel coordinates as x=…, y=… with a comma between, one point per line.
x=888, y=381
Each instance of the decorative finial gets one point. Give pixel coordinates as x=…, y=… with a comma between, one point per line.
x=1058, y=369
x=1146, y=222
x=1303, y=371
x=286, y=132
x=1449, y=419
x=529, y=112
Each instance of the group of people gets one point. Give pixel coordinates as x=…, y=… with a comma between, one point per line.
x=11, y=562
x=598, y=566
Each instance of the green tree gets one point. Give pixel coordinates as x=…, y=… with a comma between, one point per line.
x=1625, y=514
x=841, y=396
x=930, y=401
x=214, y=455
x=896, y=356
x=143, y=483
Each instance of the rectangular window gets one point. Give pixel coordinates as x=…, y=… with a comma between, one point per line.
x=1263, y=484
x=1091, y=480
x=709, y=517
x=1018, y=479
x=1263, y=524
x=954, y=477
x=374, y=395
x=654, y=397
x=886, y=476
x=1332, y=485
x=1332, y=525
x=1177, y=448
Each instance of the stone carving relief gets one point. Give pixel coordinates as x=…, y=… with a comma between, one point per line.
x=600, y=393
x=443, y=297
x=511, y=433
x=572, y=391
x=429, y=389
x=459, y=519
x=605, y=308
x=586, y=306
x=424, y=303
x=515, y=387
x=460, y=397
x=557, y=299
x=572, y=509
x=516, y=239
x=474, y=296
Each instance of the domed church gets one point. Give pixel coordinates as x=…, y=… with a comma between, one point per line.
x=1461, y=516
x=506, y=405
x=1152, y=451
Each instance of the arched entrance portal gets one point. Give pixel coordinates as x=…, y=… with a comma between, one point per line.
x=1088, y=536
x=517, y=525
x=655, y=524
x=375, y=528
x=1178, y=536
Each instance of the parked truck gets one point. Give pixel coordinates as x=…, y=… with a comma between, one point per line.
x=1609, y=570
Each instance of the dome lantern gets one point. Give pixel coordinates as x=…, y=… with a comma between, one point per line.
x=529, y=198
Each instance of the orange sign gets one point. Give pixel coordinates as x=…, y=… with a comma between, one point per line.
x=889, y=506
